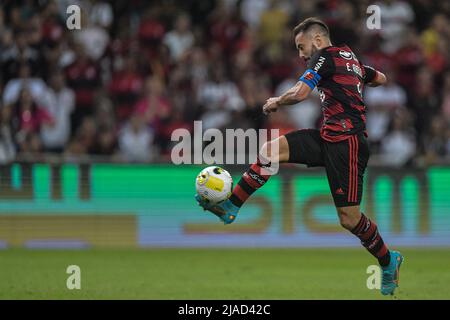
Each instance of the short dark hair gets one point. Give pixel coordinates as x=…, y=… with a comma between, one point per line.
x=306, y=24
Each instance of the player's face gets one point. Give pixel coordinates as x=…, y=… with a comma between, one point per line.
x=305, y=46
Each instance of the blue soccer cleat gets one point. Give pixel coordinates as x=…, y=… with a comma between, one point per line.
x=226, y=210
x=391, y=274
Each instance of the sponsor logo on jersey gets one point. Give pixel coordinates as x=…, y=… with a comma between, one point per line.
x=357, y=70
x=346, y=55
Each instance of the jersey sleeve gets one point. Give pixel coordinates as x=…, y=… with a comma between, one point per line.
x=369, y=74
x=320, y=66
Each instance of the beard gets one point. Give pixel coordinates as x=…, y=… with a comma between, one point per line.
x=314, y=49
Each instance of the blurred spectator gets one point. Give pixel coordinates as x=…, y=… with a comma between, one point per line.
x=225, y=28
x=438, y=28
x=446, y=97
x=36, y=85
x=105, y=142
x=408, y=60
x=151, y=31
x=52, y=25
x=28, y=119
x=180, y=39
x=436, y=141
x=154, y=106
x=198, y=66
x=83, y=76
x=424, y=10
x=19, y=54
x=101, y=14
x=125, y=86
x=399, y=146
x=219, y=96
x=135, y=140
x=381, y=103
x=254, y=93
x=6, y=43
x=34, y=32
x=343, y=30
x=84, y=139
x=7, y=147
x=93, y=37
x=439, y=60
x=252, y=11
x=425, y=102
x=104, y=112
x=2, y=20
x=396, y=15
x=60, y=103
x=273, y=27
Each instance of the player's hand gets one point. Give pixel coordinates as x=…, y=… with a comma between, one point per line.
x=372, y=84
x=271, y=105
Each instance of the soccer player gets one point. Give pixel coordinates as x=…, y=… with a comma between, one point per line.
x=340, y=145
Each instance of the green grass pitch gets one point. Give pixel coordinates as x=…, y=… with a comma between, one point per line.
x=216, y=274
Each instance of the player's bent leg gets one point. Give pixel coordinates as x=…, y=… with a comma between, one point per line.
x=271, y=154
x=366, y=230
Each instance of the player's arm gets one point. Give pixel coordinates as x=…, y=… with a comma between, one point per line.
x=373, y=78
x=294, y=95
x=320, y=66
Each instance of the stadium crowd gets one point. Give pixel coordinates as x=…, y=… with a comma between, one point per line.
x=137, y=70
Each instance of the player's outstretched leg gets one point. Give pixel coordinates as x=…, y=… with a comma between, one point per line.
x=253, y=179
x=367, y=231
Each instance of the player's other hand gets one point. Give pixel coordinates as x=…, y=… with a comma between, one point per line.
x=270, y=106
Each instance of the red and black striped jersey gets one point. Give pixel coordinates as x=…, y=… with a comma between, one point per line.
x=340, y=79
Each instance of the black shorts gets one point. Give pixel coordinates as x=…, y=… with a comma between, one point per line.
x=345, y=162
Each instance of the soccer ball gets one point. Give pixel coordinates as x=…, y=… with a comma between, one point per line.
x=214, y=184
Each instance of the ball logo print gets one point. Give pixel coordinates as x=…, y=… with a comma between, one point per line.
x=202, y=178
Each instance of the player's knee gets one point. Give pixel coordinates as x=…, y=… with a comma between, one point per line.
x=276, y=150
x=265, y=149
x=268, y=152
x=345, y=222
x=346, y=218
